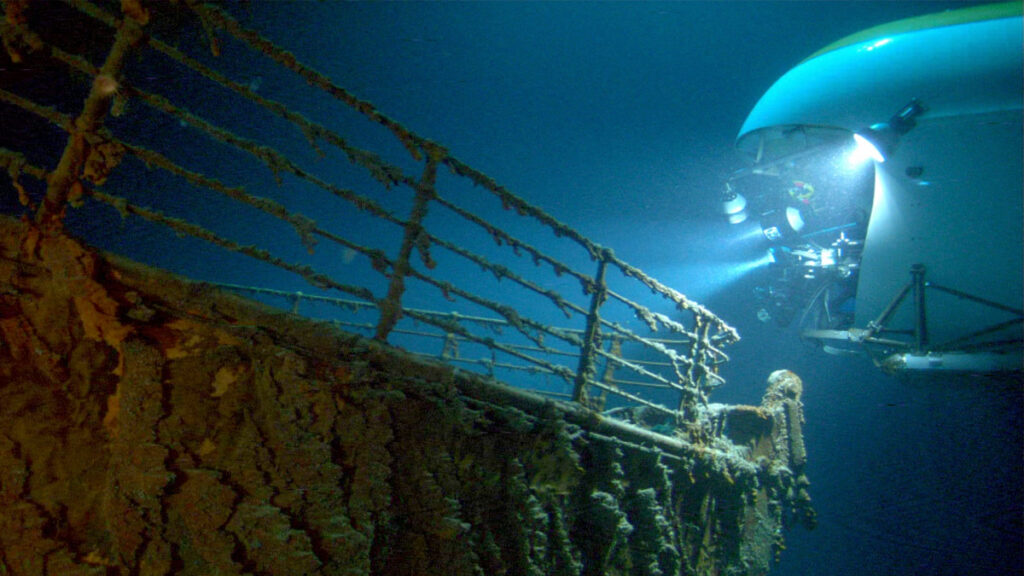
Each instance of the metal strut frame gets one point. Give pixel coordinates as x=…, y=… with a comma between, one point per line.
x=970, y=352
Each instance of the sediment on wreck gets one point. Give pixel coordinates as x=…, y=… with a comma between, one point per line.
x=152, y=425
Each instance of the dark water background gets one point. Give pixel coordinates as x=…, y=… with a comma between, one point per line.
x=619, y=120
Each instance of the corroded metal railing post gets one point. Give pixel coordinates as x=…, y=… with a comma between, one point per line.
x=391, y=305
x=692, y=394
x=64, y=178
x=592, y=333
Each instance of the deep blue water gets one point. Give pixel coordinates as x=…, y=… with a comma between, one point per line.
x=619, y=120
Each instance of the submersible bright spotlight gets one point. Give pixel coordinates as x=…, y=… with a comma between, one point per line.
x=864, y=150
x=734, y=206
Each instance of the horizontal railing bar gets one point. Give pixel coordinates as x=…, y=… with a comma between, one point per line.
x=513, y=317
x=58, y=119
x=561, y=371
x=500, y=236
x=486, y=363
x=651, y=318
x=620, y=382
x=562, y=395
x=476, y=319
x=457, y=338
x=502, y=272
x=454, y=315
x=316, y=279
x=290, y=295
x=457, y=316
x=623, y=363
x=341, y=302
x=654, y=344
x=630, y=397
x=359, y=325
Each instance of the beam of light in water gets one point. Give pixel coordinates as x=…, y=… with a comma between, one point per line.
x=745, y=237
x=726, y=274
x=717, y=257
x=704, y=280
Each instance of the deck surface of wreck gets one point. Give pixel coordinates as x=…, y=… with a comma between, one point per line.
x=152, y=425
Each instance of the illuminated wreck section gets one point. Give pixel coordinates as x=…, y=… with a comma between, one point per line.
x=341, y=386
x=886, y=185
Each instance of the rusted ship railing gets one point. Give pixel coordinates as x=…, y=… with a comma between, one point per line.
x=597, y=349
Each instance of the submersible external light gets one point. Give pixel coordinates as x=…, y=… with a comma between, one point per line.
x=734, y=205
x=879, y=140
